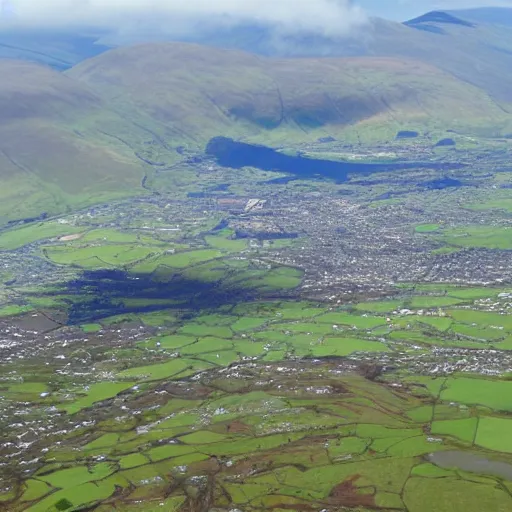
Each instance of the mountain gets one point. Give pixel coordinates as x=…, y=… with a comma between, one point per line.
x=434, y=20
x=53, y=150
x=469, y=47
x=192, y=93
x=92, y=133
x=475, y=45
x=58, y=49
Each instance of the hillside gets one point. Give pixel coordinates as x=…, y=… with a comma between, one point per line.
x=474, y=50
x=474, y=45
x=59, y=49
x=92, y=133
x=52, y=154
x=193, y=93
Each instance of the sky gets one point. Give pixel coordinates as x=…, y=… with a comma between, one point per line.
x=401, y=10
x=327, y=17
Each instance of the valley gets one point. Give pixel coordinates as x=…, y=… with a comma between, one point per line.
x=214, y=345
x=105, y=132
x=249, y=281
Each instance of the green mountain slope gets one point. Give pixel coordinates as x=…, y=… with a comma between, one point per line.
x=474, y=45
x=52, y=153
x=477, y=48
x=476, y=51
x=192, y=93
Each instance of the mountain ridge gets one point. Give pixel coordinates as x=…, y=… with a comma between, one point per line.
x=476, y=44
x=263, y=92
x=430, y=21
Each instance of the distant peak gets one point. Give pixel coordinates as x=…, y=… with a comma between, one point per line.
x=437, y=17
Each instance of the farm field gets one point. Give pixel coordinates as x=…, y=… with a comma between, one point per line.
x=311, y=423
x=341, y=440
x=165, y=365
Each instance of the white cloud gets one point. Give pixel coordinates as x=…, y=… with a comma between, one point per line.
x=329, y=17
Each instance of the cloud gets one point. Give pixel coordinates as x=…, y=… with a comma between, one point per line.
x=328, y=17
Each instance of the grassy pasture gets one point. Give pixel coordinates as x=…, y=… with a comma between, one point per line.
x=13, y=310
x=490, y=237
x=464, y=430
x=427, y=228
x=423, y=495
x=113, y=256
x=355, y=321
x=332, y=437
x=187, y=258
x=18, y=237
x=495, y=394
x=480, y=333
x=482, y=319
x=474, y=293
x=346, y=346
x=96, y=393
x=380, y=307
x=431, y=301
x=311, y=436
x=494, y=434
x=503, y=203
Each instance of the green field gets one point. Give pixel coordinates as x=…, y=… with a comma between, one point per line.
x=366, y=441
x=366, y=437
x=149, y=388
x=16, y=238
x=479, y=236
x=427, y=228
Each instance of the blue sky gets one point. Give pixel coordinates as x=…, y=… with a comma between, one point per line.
x=406, y=9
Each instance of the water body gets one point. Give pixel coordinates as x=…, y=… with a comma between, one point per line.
x=236, y=155
x=446, y=142
x=28, y=220
x=471, y=462
x=406, y=134
x=211, y=191
x=441, y=184
x=223, y=187
x=223, y=224
x=265, y=235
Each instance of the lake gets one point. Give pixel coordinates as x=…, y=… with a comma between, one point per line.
x=230, y=153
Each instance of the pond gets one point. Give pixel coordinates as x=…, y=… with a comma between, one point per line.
x=471, y=462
